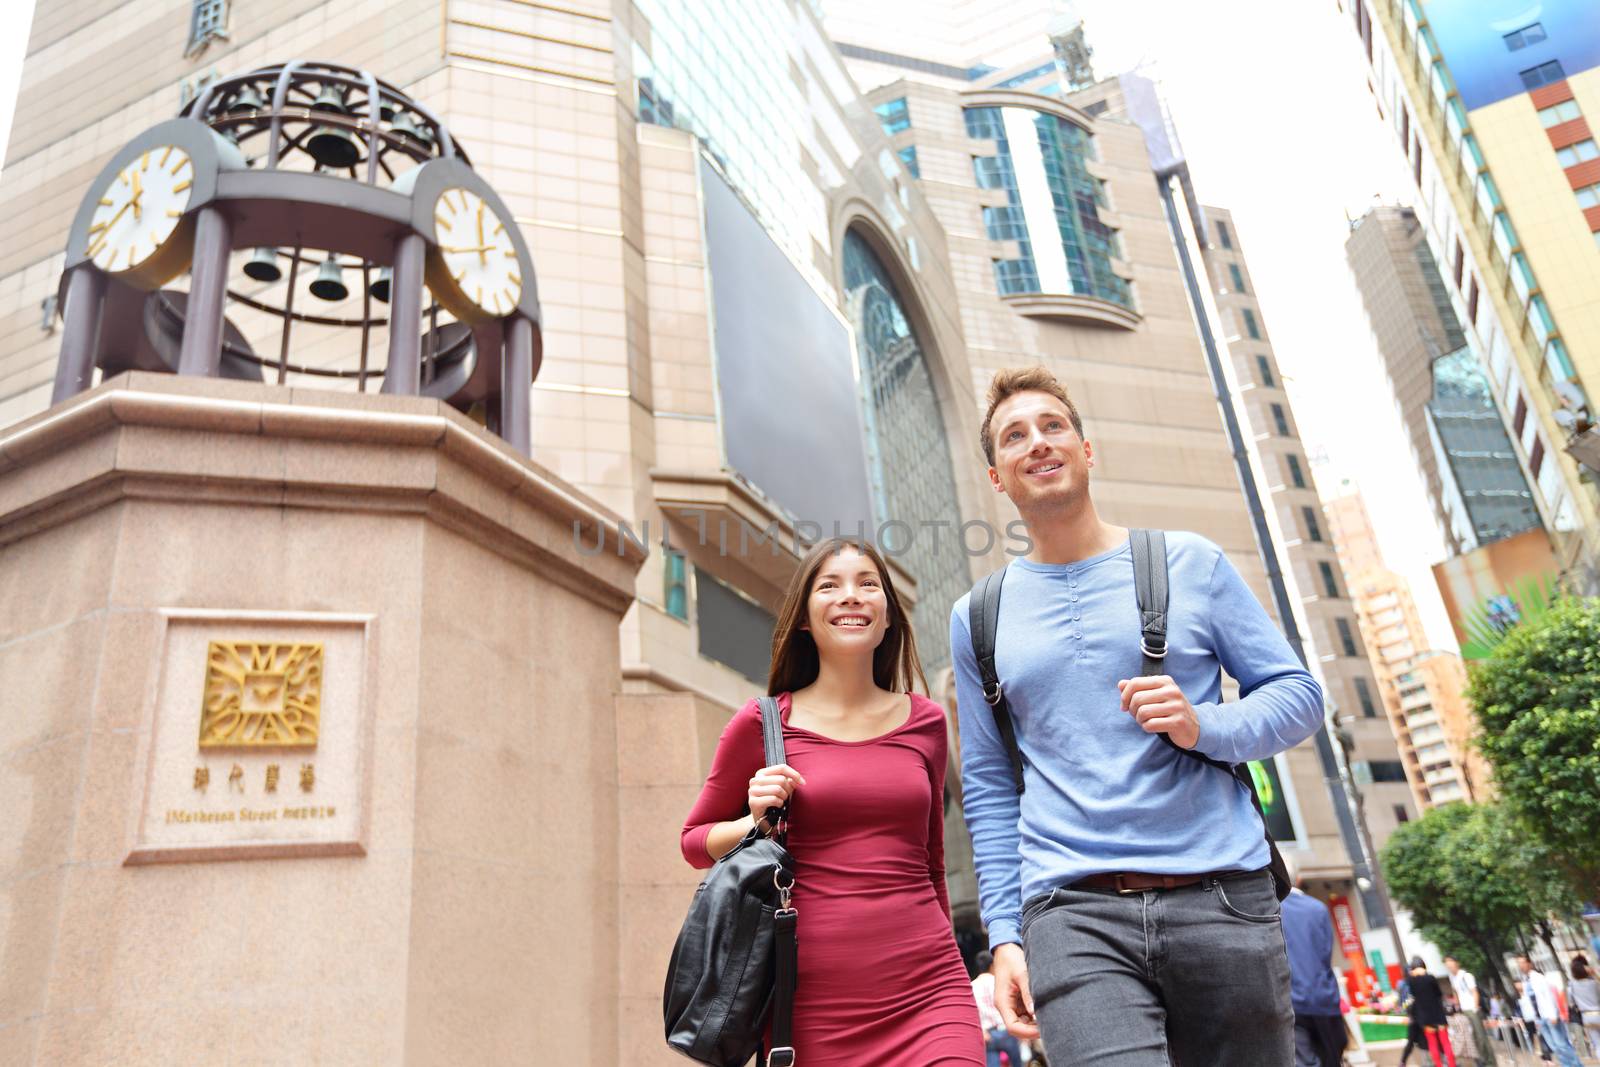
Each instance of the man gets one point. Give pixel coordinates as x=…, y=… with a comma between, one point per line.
x=1129, y=908
x=1539, y=1004
x=1319, y=1034
x=1466, y=990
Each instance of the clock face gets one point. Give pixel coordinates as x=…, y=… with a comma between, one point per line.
x=476, y=255
x=141, y=209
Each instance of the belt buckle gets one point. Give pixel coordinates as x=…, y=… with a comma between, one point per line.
x=1123, y=889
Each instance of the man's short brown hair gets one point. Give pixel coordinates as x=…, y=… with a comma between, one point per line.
x=1008, y=383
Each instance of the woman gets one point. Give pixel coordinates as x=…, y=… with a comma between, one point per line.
x=880, y=978
x=1427, y=1011
x=1583, y=1001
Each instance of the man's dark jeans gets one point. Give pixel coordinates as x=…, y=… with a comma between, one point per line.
x=1185, y=977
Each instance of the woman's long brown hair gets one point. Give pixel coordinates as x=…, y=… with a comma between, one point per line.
x=794, y=654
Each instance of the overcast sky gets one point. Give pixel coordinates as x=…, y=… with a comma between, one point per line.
x=1271, y=103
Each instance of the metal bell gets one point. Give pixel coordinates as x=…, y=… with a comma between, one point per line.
x=333, y=148
x=380, y=286
x=331, y=98
x=407, y=128
x=263, y=265
x=329, y=284
x=247, y=99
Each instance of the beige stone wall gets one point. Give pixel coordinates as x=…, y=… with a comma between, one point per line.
x=481, y=920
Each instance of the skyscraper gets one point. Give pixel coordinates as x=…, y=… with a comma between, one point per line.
x=1423, y=689
x=1490, y=105
x=1323, y=584
x=1460, y=446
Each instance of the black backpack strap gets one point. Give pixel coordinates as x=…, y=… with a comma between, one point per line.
x=983, y=619
x=1150, y=587
x=783, y=920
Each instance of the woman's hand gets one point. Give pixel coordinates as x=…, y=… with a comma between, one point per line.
x=771, y=788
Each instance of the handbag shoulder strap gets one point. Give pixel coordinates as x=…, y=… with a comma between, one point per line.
x=786, y=967
x=983, y=620
x=772, y=749
x=1150, y=587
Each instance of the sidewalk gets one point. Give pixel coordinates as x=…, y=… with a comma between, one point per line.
x=1389, y=1057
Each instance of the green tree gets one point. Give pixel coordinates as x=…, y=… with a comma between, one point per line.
x=1538, y=702
x=1447, y=869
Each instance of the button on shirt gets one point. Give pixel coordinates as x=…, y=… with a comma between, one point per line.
x=1102, y=794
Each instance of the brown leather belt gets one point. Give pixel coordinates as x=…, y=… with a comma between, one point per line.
x=1138, y=882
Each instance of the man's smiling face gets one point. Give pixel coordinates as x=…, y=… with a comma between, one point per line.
x=1039, y=459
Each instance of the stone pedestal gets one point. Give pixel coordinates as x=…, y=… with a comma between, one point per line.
x=209, y=587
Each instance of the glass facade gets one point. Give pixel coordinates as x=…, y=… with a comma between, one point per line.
x=1054, y=205
x=1477, y=452
x=906, y=436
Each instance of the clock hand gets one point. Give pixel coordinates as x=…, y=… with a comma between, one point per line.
x=138, y=191
x=483, y=256
x=469, y=248
x=105, y=231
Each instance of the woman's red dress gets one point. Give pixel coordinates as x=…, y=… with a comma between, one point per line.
x=881, y=980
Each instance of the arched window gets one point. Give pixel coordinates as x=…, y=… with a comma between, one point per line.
x=907, y=451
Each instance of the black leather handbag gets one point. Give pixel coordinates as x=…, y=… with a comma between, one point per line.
x=734, y=963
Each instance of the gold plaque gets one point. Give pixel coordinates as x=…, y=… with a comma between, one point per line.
x=261, y=695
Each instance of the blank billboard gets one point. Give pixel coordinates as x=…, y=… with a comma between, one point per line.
x=790, y=403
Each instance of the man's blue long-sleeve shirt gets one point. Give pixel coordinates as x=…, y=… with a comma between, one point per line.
x=1102, y=794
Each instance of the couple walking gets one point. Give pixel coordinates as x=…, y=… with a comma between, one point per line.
x=1124, y=883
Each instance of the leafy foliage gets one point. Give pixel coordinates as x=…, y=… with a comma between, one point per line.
x=1474, y=877
x=1538, y=702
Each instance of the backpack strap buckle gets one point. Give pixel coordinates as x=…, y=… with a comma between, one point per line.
x=994, y=694
x=782, y=1056
x=1153, y=651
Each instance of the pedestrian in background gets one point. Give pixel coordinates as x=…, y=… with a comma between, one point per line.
x=1319, y=1035
x=1427, y=1011
x=1539, y=1002
x=996, y=1038
x=1469, y=1003
x=1583, y=1001
x=1462, y=1039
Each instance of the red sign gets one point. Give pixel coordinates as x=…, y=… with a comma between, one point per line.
x=1344, y=921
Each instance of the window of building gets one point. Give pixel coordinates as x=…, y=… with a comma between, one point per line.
x=1460, y=263
x=1544, y=74
x=1223, y=235
x=1589, y=195
x=733, y=629
x=1517, y=40
x=1313, y=528
x=1237, y=277
x=1280, y=420
x=1574, y=154
x=1472, y=301
x=1387, y=770
x=1401, y=814
x=1364, y=694
x=1065, y=250
x=1536, y=458
x=908, y=455
x=1519, y=415
x=654, y=108
x=894, y=115
x=1250, y=326
x=1347, y=638
x=1330, y=583
x=1556, y=114
x=1264, y=371
x=1296, y=475
x=208, y=21
x=675, y=586
x=908, y=156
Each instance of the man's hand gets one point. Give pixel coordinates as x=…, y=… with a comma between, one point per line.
x=1011, y=993
x=1160, y=707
